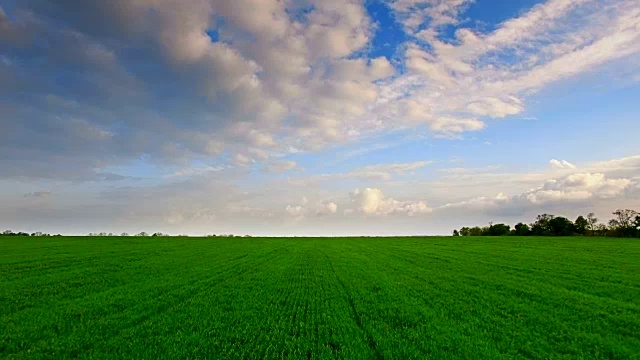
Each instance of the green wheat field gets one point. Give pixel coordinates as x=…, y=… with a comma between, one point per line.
x=327, y=298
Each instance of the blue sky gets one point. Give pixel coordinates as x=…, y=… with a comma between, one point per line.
x=315, y=117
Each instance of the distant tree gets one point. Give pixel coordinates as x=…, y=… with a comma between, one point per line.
x=521, y=229
x=541, y=226
x=600, y=230
x=157, y=234
x=465, y=231
x=581, y=225
x=561, y=226
x=623, y=224
x=11, y=233
x=593, y=222
x=142, y=233
x=456, y=233
x=476, y=231
x=498, y=230
x=124, y=234
x=625, y=217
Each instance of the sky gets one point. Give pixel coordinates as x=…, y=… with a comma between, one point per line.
x=315, y=117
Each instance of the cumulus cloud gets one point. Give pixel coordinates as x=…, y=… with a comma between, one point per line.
x=230, y=93
x=630, y=164
x=193, y=91
x=320, y=208
x=578, y=187
x=561, y=164
x=295, y=211
x=372, y=201
x=246, y=85
x=327, y=208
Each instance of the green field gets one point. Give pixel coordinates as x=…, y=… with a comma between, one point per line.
x=354, y=298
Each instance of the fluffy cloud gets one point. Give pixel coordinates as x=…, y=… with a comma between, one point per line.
x=414, y=13
x=321, y=208
x=372, y=201
x=577, y=187
x=197, y=95
x=454, y=125
x=327, y=208
x=561, y=164
x=630, y=164
x=295, y=211
x=228, y=93
x=491, y=74
x=247, y=85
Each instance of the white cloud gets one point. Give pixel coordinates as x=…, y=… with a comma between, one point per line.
x=573, y=188
x=495, y=107
x=449, y=124
x=561, y=164
x=290, y=77
x=578, y=186
x=371, y=201
x=492, y=74
x=295, y=211
x=413, y=13
x=320, y=208
x=292, y=74
x=479, y=203
x=626, y=164
x=327, y=208
x=241, y=160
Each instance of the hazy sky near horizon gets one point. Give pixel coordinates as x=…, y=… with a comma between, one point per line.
x=315, y=117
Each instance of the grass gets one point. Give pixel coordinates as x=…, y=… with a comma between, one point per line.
x=354, y=298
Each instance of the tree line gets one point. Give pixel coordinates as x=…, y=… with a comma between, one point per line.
x=626, y=223
x=21, y=233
